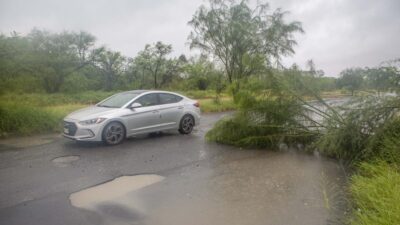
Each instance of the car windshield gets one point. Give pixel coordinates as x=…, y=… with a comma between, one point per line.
x=118, y=100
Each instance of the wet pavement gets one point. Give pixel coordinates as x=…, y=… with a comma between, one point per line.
x=167, y=179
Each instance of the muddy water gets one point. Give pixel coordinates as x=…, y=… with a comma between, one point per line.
x=115, y=201
x=248, y=187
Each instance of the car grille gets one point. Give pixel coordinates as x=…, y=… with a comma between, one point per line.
x=69, y=128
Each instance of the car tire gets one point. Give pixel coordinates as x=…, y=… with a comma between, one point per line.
x=113, y=133
x=186, y=124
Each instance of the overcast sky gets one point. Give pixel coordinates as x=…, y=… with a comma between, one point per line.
x=339, y=33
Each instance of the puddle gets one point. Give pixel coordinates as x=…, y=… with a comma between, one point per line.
x=65, y=161
x=116, y=200
x=274, y=188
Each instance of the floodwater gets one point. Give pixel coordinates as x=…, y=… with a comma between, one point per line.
x=245, y=187
x=115, y=200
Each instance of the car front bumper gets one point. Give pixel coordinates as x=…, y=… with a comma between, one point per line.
x=73, y=130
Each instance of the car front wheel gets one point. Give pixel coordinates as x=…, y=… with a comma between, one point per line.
x=113, y=133
x=186, y=125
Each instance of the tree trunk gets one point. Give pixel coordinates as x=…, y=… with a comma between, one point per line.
x=155, y=81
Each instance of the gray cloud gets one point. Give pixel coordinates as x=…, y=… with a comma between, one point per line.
x=339, y=33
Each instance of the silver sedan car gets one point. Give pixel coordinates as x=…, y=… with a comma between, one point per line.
x=130, y=113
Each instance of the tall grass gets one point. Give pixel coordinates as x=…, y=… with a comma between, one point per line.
x=27, y=119
x=26, y=114
x=37, y=99
x=210, y=105
x=376, y=194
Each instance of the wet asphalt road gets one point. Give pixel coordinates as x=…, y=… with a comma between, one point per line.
x=200, y=183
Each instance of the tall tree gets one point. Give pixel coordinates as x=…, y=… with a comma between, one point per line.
x=55, y=56
x=153, y=59
x=112, y=65
x=244, y=39
x=351, y=79
x=312, y=70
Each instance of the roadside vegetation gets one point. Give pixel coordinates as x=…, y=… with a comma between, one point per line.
x=46, y=75
x=27, y=114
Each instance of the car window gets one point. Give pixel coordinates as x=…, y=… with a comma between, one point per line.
x=118, y=100
x=168, y=98
x=148, y=100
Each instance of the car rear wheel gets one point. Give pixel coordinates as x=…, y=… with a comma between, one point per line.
x=113, y=133
x=186, y=125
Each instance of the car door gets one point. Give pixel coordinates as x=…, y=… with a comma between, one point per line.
x=171, y=110
x=146, y=118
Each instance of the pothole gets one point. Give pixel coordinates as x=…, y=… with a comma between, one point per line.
x=65, y=161
x=118, y=192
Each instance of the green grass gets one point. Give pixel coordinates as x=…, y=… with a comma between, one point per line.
x=24, y=119
x=209, y=105
x=201, y=94
x=37, y=99
x=27, y=114
x=376, y=194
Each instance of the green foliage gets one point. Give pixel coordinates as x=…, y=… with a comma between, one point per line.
x=153, y=69
x=349, y=136
x=385, y=143
x=111, y=65
x=264, y=121
x=302, y=83
x=243, y=39
x=375, y=192
x=70, y=62
x=224, y=104
x=199, y=94
x=383, y=78
x=351, y=79
x=201, y=74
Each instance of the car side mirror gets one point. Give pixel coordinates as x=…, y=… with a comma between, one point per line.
x=135, y=105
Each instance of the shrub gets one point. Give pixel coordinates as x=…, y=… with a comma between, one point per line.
x=361, y=120
x=263, y=122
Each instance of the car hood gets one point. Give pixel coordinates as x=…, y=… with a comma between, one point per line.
x=90, y=112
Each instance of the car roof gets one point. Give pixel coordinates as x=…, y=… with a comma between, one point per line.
x=135, y=92
x=148, y=91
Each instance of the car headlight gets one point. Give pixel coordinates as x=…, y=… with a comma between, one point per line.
x=92, y=121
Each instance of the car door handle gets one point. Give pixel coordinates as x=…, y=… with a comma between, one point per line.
x=180, y=107
x=155, y=111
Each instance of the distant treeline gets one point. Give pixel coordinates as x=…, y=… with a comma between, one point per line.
x=49, y=62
